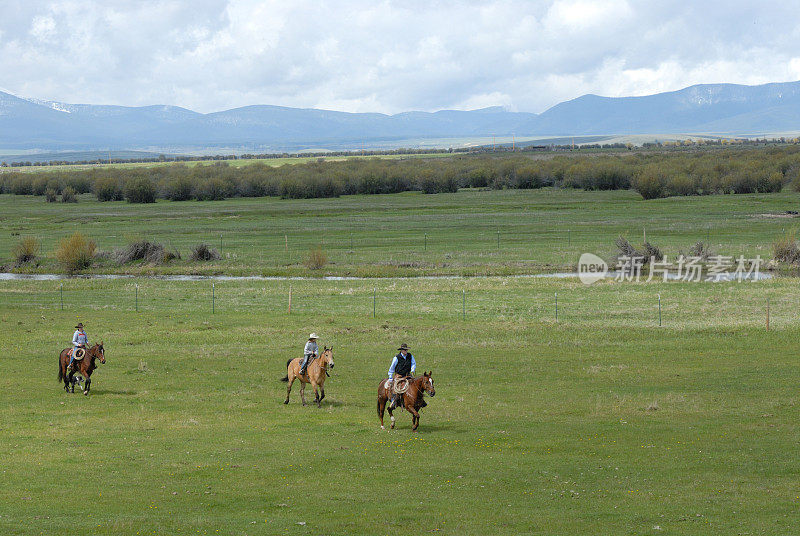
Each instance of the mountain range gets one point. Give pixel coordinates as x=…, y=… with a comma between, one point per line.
x=724, y=109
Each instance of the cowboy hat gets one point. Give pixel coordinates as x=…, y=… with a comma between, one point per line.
x=79, y=326
x=404, y=346
x=312, y=336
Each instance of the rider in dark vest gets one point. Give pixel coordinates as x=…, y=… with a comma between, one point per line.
x=403, y=365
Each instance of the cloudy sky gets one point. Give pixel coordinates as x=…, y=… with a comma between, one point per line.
x=382, y=56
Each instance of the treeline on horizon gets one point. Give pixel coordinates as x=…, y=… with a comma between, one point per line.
x=652, y=174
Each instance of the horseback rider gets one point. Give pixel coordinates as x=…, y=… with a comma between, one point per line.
x=309, y=352
x=79, y=340
x=403, y=366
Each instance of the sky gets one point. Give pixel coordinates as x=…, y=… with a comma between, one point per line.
x=383, y=56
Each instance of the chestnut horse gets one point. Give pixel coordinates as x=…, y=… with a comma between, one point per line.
x=412, y=399
x=85, y=366
x=315, y=375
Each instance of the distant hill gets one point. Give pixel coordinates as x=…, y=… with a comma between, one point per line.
x=27, y=124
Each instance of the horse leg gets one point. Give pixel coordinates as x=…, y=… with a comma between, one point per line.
x=289, y=388
x=317, y=399
x=87, y=382
x=322, y=392
x=71, y=379
x=303, y=392
x=381, y=409
x=414, y=418
x=391, y=416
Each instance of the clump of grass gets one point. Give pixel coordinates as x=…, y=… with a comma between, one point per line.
x=701, y=250
x=147, y=251
x=652, y=252
x=786, y=249
x=204, y=252
x=316, y=259
x=51, y=195
x=76, y=252
x=26, y=249
x=69, y=195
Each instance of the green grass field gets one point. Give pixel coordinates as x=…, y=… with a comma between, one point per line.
x=599, y=421
x=468, y=233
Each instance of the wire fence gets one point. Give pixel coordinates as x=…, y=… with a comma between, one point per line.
x=765, y=304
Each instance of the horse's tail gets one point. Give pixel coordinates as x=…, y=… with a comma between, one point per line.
x=286, y=378
x=60, y=369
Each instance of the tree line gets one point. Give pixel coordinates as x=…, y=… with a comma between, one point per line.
x=652, y=174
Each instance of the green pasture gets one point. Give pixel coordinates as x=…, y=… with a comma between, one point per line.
x=274, y=162
x=600, y=422
x=470, y=232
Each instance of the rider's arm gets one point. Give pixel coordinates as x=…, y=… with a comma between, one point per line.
x=391, y=368
x=75, y=339
x=413, y=365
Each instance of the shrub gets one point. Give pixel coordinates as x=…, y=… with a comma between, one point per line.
x=786, y=249
x=68, y=195
x=140, y=190
x=700, y=250
x=204, y=252
x=179, y=189
x=211, y=190
x=652, y=252
x=26, y=249
x=76, y=252
x=22, y=186
x=51, y=195
x=316, y=259
x=144, y=250
x=39, y=185
x=107, y=189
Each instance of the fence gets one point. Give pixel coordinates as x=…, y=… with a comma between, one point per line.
x=566, y=302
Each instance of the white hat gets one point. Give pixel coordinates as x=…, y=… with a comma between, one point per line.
x=312, y=336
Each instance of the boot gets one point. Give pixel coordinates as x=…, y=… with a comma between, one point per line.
x=303, y=367
x=70, y=368
x=395, y=402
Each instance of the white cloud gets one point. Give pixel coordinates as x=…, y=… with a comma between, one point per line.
x=385, y=56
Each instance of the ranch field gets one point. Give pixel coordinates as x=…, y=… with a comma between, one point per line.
x=470, y=232
x=590, y=420
x=598, y=423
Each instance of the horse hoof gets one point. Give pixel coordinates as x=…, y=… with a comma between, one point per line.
x=383, y=427
x=285, y=401
x=86, y=393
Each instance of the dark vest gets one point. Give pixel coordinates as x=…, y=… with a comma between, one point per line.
x=403, y=366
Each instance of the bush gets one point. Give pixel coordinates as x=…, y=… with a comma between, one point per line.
x=76, y=252
x=107, y=189
x=204, y=252
x=144, y=250
x=26, y=249
x=786, y=249
x=316, y=259
x=700, y=250
x=140, y=190
x=211, y=190
x=179, y=189
x=69, y=195
x=51, y=195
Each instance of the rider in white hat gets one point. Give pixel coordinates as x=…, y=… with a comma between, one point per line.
x=309, y=352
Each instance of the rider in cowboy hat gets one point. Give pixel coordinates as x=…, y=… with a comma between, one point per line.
x=79, y=340
x=309, y=352
x=403, y=365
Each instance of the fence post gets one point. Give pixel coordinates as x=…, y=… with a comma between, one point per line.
x=767, y=313
x=463, y=304
x=373, y=302
x=556, y=306
x=498, y=239
x=62, y=296
x=286, y=239
x=659, y=310
x=569, y=237
x=137, y=298
x=426, y=241
x=351, y=241
x=213, y=298
x=290, y=299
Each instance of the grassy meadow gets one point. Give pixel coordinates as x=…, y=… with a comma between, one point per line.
x=598, y=423
x=471, y=232
x=592, y=420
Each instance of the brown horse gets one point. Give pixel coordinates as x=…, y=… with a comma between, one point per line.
x=85, y=367
x=315, y=375
x=412, y=399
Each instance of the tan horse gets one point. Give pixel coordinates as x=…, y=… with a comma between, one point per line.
x=315, y=375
